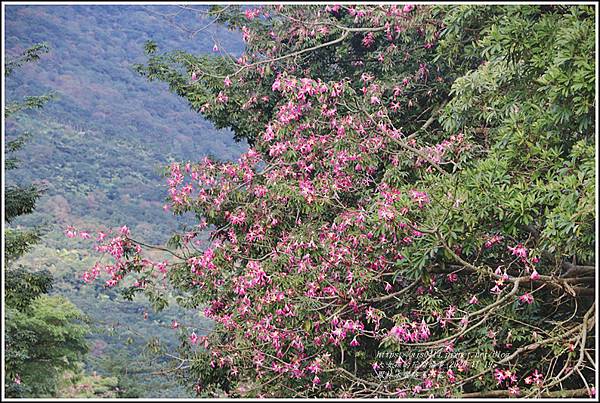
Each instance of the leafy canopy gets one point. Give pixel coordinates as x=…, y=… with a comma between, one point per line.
x=414, y=217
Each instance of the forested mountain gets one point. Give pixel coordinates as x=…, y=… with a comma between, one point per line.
x=109, y=131
x=102, y=143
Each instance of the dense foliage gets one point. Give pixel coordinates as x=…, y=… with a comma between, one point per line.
x=44, y=335
x=415, y=216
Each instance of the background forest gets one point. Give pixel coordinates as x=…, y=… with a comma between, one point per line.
x=102, y=142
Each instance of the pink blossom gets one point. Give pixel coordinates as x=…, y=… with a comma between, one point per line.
x=419, y=197
x=252, y=13
x=222, y=98
x=386, y=213
x=424, y=332
x=333, y=9
x=519, y=251
x=124, y=230
x=451, y=376
x=514, y=390
x=71, y=232
x=526, y=298
x=245, y=34
x=366, y=77
x=493, y=240
x=368, y=40
x=499, y=375
x=193, y=338
x=276, y=85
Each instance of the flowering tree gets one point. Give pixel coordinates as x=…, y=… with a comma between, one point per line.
x=414, y=216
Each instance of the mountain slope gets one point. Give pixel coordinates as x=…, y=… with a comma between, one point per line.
x=98, y=149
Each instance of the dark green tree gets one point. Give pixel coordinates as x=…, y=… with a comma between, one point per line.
x=45, y=335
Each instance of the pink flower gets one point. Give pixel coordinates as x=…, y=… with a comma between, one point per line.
x=385, y=213
x=473, y=300
x=333, y=9
x=354, y=342
x=174, y=324
x=227, y=81
x=222, y=98
x=193, y=338
x=368, y=40
x=70, y=232
x=424, y=332
x=493, y=240
x=537, y=378
x=408, y=8
x=276, y=85
x=526, y=298
x=519, y=251
x=451, y=376
x=535, y=275
x=194, y=76
x=499, y=375
x=252, y=13
x=215, y=48
x=419, y=197
x=375, y=366
x=17, y=379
